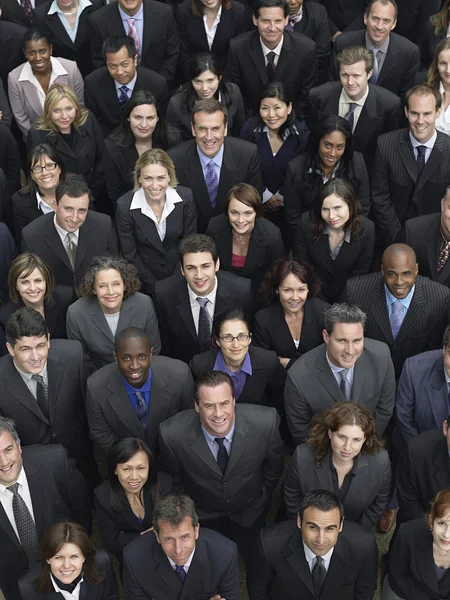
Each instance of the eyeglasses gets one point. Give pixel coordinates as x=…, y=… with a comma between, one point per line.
x=48, y=167
x=242, y=337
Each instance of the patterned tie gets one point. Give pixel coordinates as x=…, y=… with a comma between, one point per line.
x=141, y=410
x=212, y=183
x=181, y=573
x=293, y=20
x=376, y=68
x=345, y=384
x=443, y=256
x=26, y=527
x=420, y=158
x=132, y=32
x=42, y=395
x=270, y=67
x=350, y=116
x=204, y=326
x=27, y=8
x=123, y=96
x=71, y=249
x=222, y=455
x=318, y=575
x=396, y=318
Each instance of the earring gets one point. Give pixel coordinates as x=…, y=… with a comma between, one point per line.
x=276, y=292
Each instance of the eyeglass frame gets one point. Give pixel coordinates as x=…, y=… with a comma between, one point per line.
x=235, y=337
x=46, y=167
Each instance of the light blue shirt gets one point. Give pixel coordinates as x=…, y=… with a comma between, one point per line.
x=138, y=23
x=130, y=86
x=337, y=370
x=72, y=33
x=405, y=302
x=212, y=444
x=204, y=160
x=428, y=145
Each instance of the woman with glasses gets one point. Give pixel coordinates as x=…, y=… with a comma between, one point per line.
x=257, y=374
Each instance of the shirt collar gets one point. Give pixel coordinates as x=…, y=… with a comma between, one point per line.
x=429, y=144
x=383, y=48
x=62, y=232
x=334, y=367
x=360, y=102
x=129, y=85
x=74, y=594
x=228, y=437
x=217, y=19
x=54, y=8
x=28, y=376
x=40, y=200
x=220, y=365
x=28, y=75
x=136, y=17
x=145, y=388
x=310, y=556
x=211, y=296
x=266, y=50
x=390, y=299
x=287, y=132
x=347, y=236
x=218, y=158
x=186, y=564
x=20, y=480
x=139, y=200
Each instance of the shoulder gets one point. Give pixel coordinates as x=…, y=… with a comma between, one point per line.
x=99, y=16
x=235, y=146
x=411, y=530
x=385, y=98
x=49, y=455
x=314, y=9
x=41, y=224
x=97, y=76
x=242, y=40
x=98, y=219
x=299, y=41
x=169, y=287
x=216, y=544
x=102, y=561
x=184, y=150
x=266, y=227
x=81, y=306
x=359, y=540
x=69, y=65
x=277, y=537
x=125, y=201
x=433, y=287
x=102, y=492
x=369, y=226
x=443, y=139
x=204, y=361
x=180, y=422
x=266, y=358
x=375, y=348
x=363, y=283
x=423, y=361
x=231, y=282
x=403, y=44
x=169, y=366
x=185, y=193
x=149, y=77
x=15, y=74
x=422, y=224
x=325, y=90
x=306, y=362
x=298, y=164
x=425, y=442
x=219, y=223
x=156, y=8
x=304, y=455
x=104, y=375
x=65, y=349
x=140, y=300
x=140, y=549
x=350, y=38
x=257, y=415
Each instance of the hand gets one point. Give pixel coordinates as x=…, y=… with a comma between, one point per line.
x=1, y=114
x=147, y=530
x=273, y=204
x=216, y=597
x=333, y=38
x=284, y=361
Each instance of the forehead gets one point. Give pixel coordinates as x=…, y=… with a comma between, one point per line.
x=117, y=56
x=63, y=102
x=154, y=170
x=30, y=342
x=135, y=345
x=195, y=259
x=30, y=275
x=383, y=10
x=321, y=518
x=42, y=159
x=292, y=280
x=68, y=202
x=334, y=137
x=444, y=55
x=6, y=439
x=348, y=331
x=167, y=529
x=350, y=430
x=355, y=69
x=273, y=12
x=107, y=275
x=420, y=103
x=37, y=44
x=140, y=458
x=236, y=204
x=399, y=262
x=205, y=75
x=68, y=550
x=202, y=119
x=333, y=200
x=214, y=395
x=233, y=325
x=147, y=110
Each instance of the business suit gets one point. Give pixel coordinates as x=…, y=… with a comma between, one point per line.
x=6, y=116
x=311, y=387
x=279, y=568
x=8, y=253
x=428, y=42
x=401, y=62
x=240, y=164
x=422, y=396
x=412, y=14
x=101, y=97
x=14, y=13
x=11, y=47
x=296, y=68
x=139, y=239
x=214, y=569
x=58, y=493
x=398, y=192
x=314, y=24
x=160, y=44
x=173, y=307
x=96, y=236
x=254, y=466
x=367, y=496
x=110, y=413
x=87, y=323
x=345, y=15
x=24, y=210
x=424, y=322
x=381, y=113
x=10, y=165
x=264, y=386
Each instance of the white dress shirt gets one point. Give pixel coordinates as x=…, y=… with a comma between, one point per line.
x=344, y=106
x=75, y=595
x=129, y=86
x=311, y=558
x=42, y=204
x=428, y=145
x=63, y=234
x=266, y=51
x=186, y=565
x=211, y=33
x=6, y=498
x=28, y=75
x=195, y=306
x=139, y=202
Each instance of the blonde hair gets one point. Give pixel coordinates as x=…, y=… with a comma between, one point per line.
x=155, y=156
x=56, y=93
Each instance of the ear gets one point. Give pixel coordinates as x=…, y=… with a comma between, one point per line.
x=369, y=74
x=417, y=269
x=365, y=18
x=255, y=21
x=326, y=336
x=217, y=266
x=406, y=111
x=115, y=357
x=10, y=349
x=445, y=427
x=299, y=521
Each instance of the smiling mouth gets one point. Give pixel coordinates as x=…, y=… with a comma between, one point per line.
x=7, y=469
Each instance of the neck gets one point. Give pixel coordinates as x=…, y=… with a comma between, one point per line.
x=211, y=11
x=156, y=203
x=338, y=463
x=233, y=366
x=48, y=195
x=374, y=43
x=294, y=315
x=271, y=45
x=39, y=306
x=326, y=170
x=45, y=73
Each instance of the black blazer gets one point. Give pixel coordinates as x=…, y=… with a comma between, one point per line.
x=266, y=247
x=428, y=42
x=24, y=210
x=345, y=15
x=270, y=330
x=264, y=386
x=10, y=158
x=193, y=36
x=107, y=589
x=85, y=158
x=100, y=95
x=5, y=201
x=354, y=258
x=296, y=68
x=8, y=253
x=11, y=47
x=14, y=13
x=140, y=241
x=314, y=24
x=173, y=307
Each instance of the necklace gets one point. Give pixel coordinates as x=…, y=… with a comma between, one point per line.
x=241, y=239
x=74, y=12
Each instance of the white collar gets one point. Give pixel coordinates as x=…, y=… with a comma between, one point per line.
x=266, y=50
x=20, y=480
x=429, y=144
x=360, y=102
x=54, y=8
x=28, y=75
x=217, y=19
x=62, y=232
x=211, y=296
x=172, y=197
x=186, y=565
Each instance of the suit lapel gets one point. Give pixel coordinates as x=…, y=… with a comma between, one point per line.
x=6, y=527
x=322, y=249
x=223, y=300
x=15, y=386
x=434, y=161
x=184, y=310
x=127, y=314
x=337, y=569
x=99, y=320
x=55, y=370
x=195, y=576
x=297, y=561
x=327, y=379
x=362, y=367
x=165, y=571
x=239, y=443
x=368, y=119
x=255, y=250
x=257, y=57
x=85, y=235
x=425, y=562
x=438, y=399
x=119, y=402
x=194, y=174
x=37, y=493
x=54, y=242
x=440, y=465
x=406, y=153
x=284, y=65
x=433, y=246
x=390, y=63
x=379, y=310
x=161, y=399
x=201, y=449
x=58, y=29
x=323, y=475
x=413, y=313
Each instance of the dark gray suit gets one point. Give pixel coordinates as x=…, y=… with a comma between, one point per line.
x=311, y=387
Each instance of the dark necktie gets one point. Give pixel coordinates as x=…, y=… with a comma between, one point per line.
x=350, y=116
x=26, y=527
x=396, y=318
x=123, y=95
x=443, y=256
x=204, y=328
x=141, y=410
x=318, y=575
x=420, y=158
x=345, y=384
x=42, y=395
x=71, y=249
x=270, y=67
x=27, y=8
x=222, y=455
x=181, y=573
x=376, y=68
x=212, y=184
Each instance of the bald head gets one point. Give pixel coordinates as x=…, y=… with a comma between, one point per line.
x=399, y=269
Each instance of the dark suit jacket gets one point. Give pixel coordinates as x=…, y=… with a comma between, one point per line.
x=160, y=46
x=270, y=330
x=296, y=68
x=279, y=568
x=193, y=36
x=8, y=253
x=214, y=570
x=367, y=496
x=110, y=414
x=254, y=466
x=14, y=13
x=400, y=64
x=141, y=245
x=240, y=165
x=264, y=386
x=412, y=14
x=424, y=471
x=345, y=15
x=311, y=387
x=9, y=160
x=101, y=98
x=11, y=47
x=424, y=322
x=176, y=324
x=398, y=193
x=24, y=210
x=314, y=24
x=428, y=43
x=381, y=113
x=58, y=493
x=96, y=237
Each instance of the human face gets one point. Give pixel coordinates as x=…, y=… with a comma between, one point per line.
x=331, y=149
x=274, y=112
x=346, y=442
x=200, y=271
x=422, y=115
x=31, y=287
x=133, y=357
x=154, y=180
x=216, y=409
x=48, y=178
x=271, y=23
x=205, y=85
x=211, y=5
x=38, y=55
x=380, y=21
x=71, y=213
x=292, y=294
x=63, y=115
x=294, y=6
x=399, y=273
x=320, y=529
x=10, y=459
x=121, y=66
x=443, y=66
x=335, y=212
x=209, y=132
x=133, y=474
x=67, y=563
x=178, y=543
x=344, y=344
x=242, y=217
x=130, y=7
x=143, y=120
x=441, y=532
x=355, y=79
x=30, y=353
x=66, y=5
x=109, y=288
x=234, y=352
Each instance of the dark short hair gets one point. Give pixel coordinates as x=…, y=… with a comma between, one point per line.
x=210, y=106
x=25, y=322
x=74, y=188
x=325, y=127
x=384, y=3
x=115, y=43
x=343, y=313
x=259, y=4
x=34, y=35
x=446, y=336
x=281, y=92
x=9, y=426
x=424, y=90
x=212, y=379
x=198, y=242
x=131, y=333
x=284, y=267
x=26, y=263
x=33, y=158
x=234, y=314
x=248, y=195
x=127, y=271
x=174, y=509
x=323, y=500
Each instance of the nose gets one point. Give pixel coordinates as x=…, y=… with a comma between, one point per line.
x=32, y=286
x=34, y=354
x=134, y=364
x=321, y=537
x=350, y=80
x=350, y=348
x=234, y=342
x=218, y=411
x=66, y=563
x=177, y=545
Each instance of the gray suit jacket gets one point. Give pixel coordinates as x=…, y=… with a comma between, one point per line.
x=311, y=387
x=87, y=324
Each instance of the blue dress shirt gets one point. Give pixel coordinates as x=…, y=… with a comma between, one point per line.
x=213, y=446
x=405, y=302
x=145, y=391
x=204, y=160
x=138, y=23
x=239, y=377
